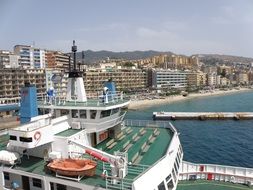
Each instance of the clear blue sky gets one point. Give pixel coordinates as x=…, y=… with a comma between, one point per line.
x=182, y=26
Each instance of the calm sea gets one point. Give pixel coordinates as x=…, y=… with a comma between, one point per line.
x=225, y=142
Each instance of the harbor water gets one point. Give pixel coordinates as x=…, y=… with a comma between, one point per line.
x=225, y=142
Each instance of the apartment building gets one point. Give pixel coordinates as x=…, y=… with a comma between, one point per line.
x=11, y=81
x=175, y=61
x=8, y=59
x=30, y=57
x=212, y=79
x=168, y=78
x=242, y=78
x=196, y=79
x=57, y=59
x=125, y=79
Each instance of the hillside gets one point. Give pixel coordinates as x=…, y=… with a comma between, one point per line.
x=95, y=56
x=228, y=59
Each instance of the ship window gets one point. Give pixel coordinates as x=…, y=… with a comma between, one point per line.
x=93, y=114
x=175, y=166
x=105, y=113
x=174, y=175
x=12, y=137
x=161, y=186
x=61, y=187
x=26, y=139
x=51, y=186
x=6, y=176
x=83, y=114
x=168, y=177
x=116, y=110
x=37, y=183
x=74, y=113
x=170, y=185
x=64, y=112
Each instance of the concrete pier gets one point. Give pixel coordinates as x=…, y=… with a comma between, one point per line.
x=202, y=115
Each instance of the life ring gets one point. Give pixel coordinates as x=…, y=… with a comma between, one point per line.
x=37, y=135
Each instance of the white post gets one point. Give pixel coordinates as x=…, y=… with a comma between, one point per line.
x=2, y=181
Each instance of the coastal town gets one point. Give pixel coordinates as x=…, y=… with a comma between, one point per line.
x=165, y=77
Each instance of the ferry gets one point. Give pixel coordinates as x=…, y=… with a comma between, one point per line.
x=83, y=142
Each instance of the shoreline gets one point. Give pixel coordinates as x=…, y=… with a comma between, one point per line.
x=141, y=104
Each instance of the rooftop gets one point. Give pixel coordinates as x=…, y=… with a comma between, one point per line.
x=68, y=132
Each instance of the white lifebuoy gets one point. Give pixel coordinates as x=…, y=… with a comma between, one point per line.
x=37, y=135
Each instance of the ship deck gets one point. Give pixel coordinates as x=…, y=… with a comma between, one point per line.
x=210, y=185
x=132, y=138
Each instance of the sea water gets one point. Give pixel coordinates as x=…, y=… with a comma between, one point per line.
x=226, y=142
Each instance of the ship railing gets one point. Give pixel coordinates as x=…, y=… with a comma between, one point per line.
x=92, y=127
x=148, y=123
x=132, y=169
x=233, y=174
x=92, y=99
x=118, y=183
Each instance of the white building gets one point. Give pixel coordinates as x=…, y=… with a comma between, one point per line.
x=211, y=79
x=30, y=57
x=169, y=79
x=8, y=59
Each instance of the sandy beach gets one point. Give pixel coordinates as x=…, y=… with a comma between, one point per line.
x=140, y=104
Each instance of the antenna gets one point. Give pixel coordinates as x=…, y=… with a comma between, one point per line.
x=73, y=71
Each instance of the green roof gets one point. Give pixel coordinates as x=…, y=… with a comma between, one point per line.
x=68, y=132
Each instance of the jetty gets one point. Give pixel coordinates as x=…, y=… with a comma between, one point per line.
x=202, y=115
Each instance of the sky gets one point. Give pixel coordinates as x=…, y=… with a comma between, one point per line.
x=181, y=26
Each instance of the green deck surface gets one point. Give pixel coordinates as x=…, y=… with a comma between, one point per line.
x=68, y=132
x=210, y=185
x=159, y=147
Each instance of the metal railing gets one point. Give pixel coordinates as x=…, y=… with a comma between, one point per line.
x=147, y=123
x=98, y=126
x=92, y=100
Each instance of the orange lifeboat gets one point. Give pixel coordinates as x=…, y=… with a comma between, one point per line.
x=73, y=167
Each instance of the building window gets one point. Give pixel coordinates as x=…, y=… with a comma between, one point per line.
x=26, y=139
x=161, y=186
x=61, y=187
x=93, y=114
x=105, y=113
x=83, y=114
x=37, y=182
x=12, y=137
x=6, y=176
x=74, y=113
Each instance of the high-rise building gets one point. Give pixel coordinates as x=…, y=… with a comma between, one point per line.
x=57, y=59
x=8, y=59
x=11, y=81
x=196, y=79
x=125, y=79
x=30, y=57
x=168, y=78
